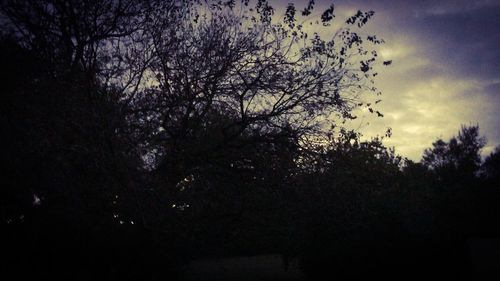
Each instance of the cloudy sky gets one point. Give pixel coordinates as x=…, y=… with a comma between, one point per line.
x=445, y=71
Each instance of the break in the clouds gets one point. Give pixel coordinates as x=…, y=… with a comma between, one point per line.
x=445, y=71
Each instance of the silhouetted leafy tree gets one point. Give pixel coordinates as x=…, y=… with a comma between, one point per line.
x=490, y=169
x=70, y=170
x=223, y=81
x=226, y=78
x=69, y=35
x=264, y=76
x=349, y=207
x=458, y=159
x=462, y=202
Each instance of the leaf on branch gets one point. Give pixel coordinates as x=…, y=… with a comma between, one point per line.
x=230, y=4
x=365, y=67
x=360, y=18
x=309, y=8
x=290, y=15
x=327, y=15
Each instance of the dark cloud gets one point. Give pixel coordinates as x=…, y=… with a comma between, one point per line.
x=463, y=34
x=469, y=40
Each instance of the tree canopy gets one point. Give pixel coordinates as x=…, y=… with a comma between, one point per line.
x=459, y=156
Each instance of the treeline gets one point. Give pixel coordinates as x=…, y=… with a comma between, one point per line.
x=139, y=135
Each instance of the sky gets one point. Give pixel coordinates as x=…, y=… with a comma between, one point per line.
x=445, y=70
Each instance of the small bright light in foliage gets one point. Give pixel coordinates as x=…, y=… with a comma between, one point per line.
x=36, y=200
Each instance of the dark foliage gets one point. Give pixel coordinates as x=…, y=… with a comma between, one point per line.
x=140, y=135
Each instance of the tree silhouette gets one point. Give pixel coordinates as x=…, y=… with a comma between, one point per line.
x=457, y=159
x=265, y=77
x=491, y=166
